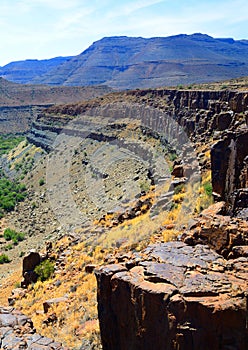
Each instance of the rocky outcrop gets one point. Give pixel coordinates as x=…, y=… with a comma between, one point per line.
x=229, y=165
x=18, y=119
x=17, y=332
x=203, y=114
x=220, y=232
x=190, y=294
x=30, y=261
x=174, y=296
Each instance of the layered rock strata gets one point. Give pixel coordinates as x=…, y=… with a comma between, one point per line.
x=217, y=118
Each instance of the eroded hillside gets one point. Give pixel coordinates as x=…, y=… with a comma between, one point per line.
x=113, y=176
x=20, y=104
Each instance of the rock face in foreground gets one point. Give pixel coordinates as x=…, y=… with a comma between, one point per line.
x=174, y=296
x=17, y=332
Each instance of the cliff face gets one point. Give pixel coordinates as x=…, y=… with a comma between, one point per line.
x=173, y=297
x=187, y=294
x=20, y=104
x=18, y=119
x=190, y=294
x=217, y=118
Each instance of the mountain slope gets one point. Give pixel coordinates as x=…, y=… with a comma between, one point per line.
x=128, y=62
x=24, y=71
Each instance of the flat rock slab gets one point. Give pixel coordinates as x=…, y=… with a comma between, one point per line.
x=17, y=332
x=176, y=297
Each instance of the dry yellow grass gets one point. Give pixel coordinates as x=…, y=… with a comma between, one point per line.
x=8, y=285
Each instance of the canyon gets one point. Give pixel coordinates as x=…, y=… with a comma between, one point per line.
x=192, y=293
x=188, y=292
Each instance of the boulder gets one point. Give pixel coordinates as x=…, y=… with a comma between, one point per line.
x=29, y=263
x=48, y=303
x=221, y=233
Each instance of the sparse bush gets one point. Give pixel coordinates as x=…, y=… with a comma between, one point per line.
x=10, y=194
x=44, y=270
x=34, y=205
x=208, y=188
x=144, y=186
x=179, y=189
x=172, y=156
x=41, y=182
x=4, y=259
x=8, y=247
x=12, y=235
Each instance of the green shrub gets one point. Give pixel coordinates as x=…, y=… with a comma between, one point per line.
x=172, y=156
x=179, y=189
x=44, y=270
x=8, y=247
x=9, y=142
x=8, y=234
x=41, y=182
x=4, y=259
x=144, y=186
x=208, y=188
x=12, y=235
x=10, y=194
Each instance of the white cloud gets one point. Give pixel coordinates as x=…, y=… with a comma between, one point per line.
x=131, y=7
x=52, y=4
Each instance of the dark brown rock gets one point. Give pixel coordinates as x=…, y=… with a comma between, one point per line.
x=221, y=233
x=178, y=297
x=227, y=164
x=48, y=303
x=224, y=120
x=29, y=263
x=90, y=268
x=177, y=171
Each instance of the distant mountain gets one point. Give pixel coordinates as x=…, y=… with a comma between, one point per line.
x=24, y=71
x=129, y=62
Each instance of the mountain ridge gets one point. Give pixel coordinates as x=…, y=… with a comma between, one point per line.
x=23, y=71
x=124, y=62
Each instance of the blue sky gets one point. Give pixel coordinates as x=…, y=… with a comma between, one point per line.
x=49, y=28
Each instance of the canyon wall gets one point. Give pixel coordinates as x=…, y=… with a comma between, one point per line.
x=18, y=119
x=189, y=294
x=215, y=118
x=173, y=296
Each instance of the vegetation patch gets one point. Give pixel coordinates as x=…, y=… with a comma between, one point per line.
x=44, y=270
x=10, y=194
x=41, y=182
x=12, y=235
x=208, y=188
x=4, y=259
x=205, y=198
x=8, y=142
